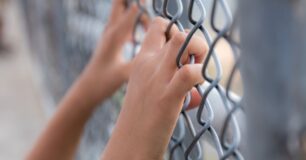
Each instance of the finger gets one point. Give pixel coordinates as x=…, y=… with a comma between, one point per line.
x=172, y=31
x=120, y=33
x=155, y=38
x=184, y=80
x=197, y=47
x=126, y=26
x=195, y=99
x=118, y=8
x=199, y=58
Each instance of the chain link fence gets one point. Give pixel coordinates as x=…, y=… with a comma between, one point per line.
x=225, y=144
x=75, y=28
x=64, y=33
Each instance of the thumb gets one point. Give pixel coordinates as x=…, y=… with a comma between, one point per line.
x=184, y=80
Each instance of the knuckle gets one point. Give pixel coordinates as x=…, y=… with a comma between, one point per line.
x=178, y=39
x=160, y=22
x=185, y=74
x=204, y=46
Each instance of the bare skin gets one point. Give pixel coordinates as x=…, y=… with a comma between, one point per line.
x=154, y=98
x=155, y=95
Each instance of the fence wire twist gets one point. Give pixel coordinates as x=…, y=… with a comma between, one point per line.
x=226, y=145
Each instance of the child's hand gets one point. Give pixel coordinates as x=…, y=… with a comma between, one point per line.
x=108, y=70
x=155, y=93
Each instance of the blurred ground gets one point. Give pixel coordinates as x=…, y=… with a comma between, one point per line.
x=21, y=114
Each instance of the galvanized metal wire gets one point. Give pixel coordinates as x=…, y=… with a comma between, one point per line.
x=63, y=34
x=83, y=30
x=225, y=145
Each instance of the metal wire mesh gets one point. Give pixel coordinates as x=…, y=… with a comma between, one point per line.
x=225, y=145
x=63, y=33
x=83, y=22
x=84, y=25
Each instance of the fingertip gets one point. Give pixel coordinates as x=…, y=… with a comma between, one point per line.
x=195, y=99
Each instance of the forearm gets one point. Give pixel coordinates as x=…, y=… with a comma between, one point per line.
x=155, y=94
x=62, y=135
x=104, y=74
x=141, y=134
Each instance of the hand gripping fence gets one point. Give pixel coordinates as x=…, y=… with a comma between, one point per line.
x=63, y=33
x=81, y=33
x=225, y=144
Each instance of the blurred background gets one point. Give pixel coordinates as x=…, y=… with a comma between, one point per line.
x=21, y=112
x=44, y=45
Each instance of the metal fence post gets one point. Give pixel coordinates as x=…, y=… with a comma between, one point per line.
x=273, y=40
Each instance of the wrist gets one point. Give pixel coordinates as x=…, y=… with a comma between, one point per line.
x=100, y=81
x=149, y=132
x=112, y=38
x=84, y=95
